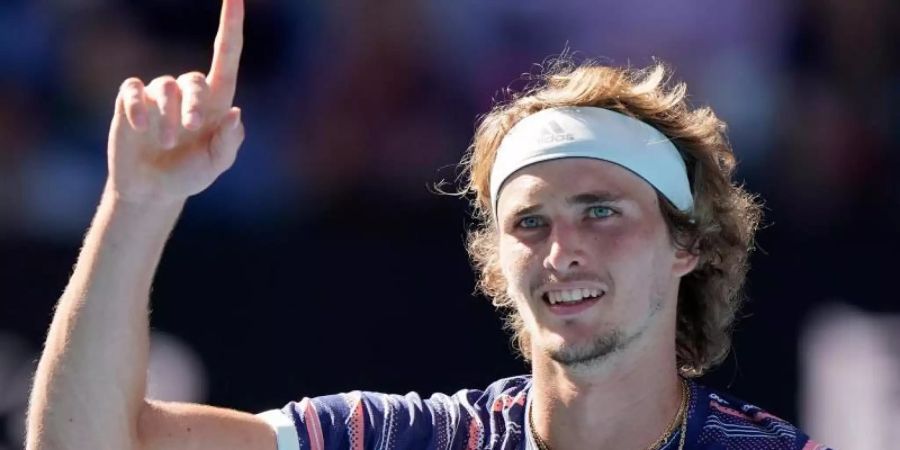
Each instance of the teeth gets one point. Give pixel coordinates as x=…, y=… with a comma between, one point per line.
x=572, y=295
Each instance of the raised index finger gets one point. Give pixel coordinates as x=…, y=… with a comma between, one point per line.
x=222, y=76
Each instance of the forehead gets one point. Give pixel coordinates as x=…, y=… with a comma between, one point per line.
x=561, y=178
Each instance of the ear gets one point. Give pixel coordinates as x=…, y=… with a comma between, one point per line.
x=685, y=262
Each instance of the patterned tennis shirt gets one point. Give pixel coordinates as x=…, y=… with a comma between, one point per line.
x=495, y=418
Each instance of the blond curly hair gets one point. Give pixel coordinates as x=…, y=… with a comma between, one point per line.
x=720, y=229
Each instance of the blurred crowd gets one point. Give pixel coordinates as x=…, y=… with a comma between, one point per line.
x=349, y=96
x=354, y=109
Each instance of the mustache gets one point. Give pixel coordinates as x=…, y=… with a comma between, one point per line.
x=541, y=282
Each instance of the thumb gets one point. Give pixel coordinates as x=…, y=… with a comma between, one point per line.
x=225, y=142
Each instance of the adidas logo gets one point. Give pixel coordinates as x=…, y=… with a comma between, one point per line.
x=553, y=132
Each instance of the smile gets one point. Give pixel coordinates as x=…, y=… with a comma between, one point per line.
x=572, y=295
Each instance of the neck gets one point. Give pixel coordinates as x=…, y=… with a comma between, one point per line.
x=627, y=402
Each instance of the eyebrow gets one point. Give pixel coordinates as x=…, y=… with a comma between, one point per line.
x=593, y=197
x=524, y=211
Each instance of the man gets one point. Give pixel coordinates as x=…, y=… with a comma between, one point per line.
x=611, y=234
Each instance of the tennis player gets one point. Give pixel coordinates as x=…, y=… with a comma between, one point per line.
x=611, y=237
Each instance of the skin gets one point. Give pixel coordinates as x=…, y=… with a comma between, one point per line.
x=169, y=139
x=581, y=223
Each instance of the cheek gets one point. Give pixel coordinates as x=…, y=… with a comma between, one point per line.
x=642, y=255
x=515, y=261
x=630, y=250
x=638, y=236
x=617, y=244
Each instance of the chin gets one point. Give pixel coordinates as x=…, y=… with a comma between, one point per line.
x=586, y=351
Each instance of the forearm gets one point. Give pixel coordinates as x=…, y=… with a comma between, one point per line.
x=90, y=384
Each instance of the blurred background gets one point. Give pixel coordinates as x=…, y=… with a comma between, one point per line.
x=326, y=231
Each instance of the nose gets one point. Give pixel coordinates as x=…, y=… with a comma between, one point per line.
x=567, y=252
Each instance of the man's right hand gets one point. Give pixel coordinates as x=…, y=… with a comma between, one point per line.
x=168, y=140
x=173, y=137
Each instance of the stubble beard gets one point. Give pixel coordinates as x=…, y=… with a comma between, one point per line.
x=592, y=353
x=603, y=346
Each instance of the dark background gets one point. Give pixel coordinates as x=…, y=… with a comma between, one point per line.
x=322, y=262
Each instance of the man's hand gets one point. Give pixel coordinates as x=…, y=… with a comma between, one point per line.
x=173, y=137
x=168, y=140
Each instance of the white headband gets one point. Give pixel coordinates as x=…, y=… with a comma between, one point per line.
x=589, y=132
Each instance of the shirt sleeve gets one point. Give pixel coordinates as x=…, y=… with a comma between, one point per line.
x=468, y=420
x=359, y=420
x=285, y=432
x=370, y=420
x=809, y=444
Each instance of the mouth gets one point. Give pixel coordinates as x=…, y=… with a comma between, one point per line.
x=572, y=301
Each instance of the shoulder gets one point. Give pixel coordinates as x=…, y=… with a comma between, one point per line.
x=502, y=394
x=726, y=421
x=497, y=411
x=470, y=418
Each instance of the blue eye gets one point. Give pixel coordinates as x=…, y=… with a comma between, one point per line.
x=531, y=222
x=599, y=212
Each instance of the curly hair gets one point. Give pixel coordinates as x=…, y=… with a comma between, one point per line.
x=719, y=230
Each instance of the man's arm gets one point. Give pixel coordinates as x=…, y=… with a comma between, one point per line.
x=90, y=385
x=168, y=140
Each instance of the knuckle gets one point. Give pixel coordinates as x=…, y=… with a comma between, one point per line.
x=131, y=84
x=192, y=78
x=133, y=104
x=132, y=97
x=170, y=87
x=192, y=107
x=162, y=83
x=230, y=48
x=166, y=80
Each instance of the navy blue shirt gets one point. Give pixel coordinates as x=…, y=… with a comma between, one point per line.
x=494, y=418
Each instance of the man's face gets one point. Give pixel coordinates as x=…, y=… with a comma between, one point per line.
x=587, y=257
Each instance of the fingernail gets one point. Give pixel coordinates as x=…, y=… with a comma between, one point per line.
x=236, y=121
x=168, y=139
x=140, y=121
x=194, y=119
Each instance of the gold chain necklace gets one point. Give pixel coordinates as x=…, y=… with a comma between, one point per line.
x=681, y=416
